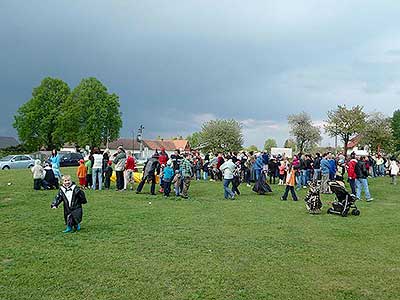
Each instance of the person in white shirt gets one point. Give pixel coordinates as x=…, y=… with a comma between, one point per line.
x=394, y=170
x=38, y=175
x=97, y=168
x=227, y=169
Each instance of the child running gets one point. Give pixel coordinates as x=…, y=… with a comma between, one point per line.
x=290, y=183
x=73, y=198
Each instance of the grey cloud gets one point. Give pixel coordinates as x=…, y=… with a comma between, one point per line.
x=177, y=63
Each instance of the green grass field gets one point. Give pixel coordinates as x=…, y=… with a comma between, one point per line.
x=256, y=247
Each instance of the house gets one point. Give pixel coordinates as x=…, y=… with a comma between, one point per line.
x=149, y=146
x=354, y=146
x=7, y=141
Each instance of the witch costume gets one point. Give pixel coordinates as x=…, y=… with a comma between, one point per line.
x=261, y=187
x=73, y=198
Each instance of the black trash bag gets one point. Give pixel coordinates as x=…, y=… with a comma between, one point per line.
x=261, y=187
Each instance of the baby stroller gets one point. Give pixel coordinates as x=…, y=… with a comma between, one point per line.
x=312, y=199
x=346, y=201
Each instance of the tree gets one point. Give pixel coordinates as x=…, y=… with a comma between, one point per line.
x=269, y=143
x=305, y=133
x=289, y=143
x=395, y=123
x=194, y=139
x=36, y=120
x=345, y=123
x=251, y=148
x=90, y=115
x=378, y=132
x=221, y=136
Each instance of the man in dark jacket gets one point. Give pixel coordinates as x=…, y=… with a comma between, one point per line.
x=317, y=167
x=49, y=181
x=176, y=160
x=362, y=179
x=151, y=167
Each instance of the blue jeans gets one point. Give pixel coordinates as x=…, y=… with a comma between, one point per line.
x=308, y=176
x=97, y=173
x=228, y=194
x=177, y=190
x=205, y=175
x=381, y=170
x=303, y=177
x=362, y=183
x=298, y=180
x=198, y=174
x=317, y=174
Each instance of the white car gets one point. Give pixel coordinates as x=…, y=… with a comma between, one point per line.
x=16, y=162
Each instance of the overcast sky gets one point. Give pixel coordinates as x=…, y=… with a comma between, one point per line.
x=176, y=64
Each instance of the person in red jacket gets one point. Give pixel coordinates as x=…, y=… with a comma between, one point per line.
x=351, y=172
x=163, y=158
x=130, y=166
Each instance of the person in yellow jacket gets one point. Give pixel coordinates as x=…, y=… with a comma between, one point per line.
x=290, y=184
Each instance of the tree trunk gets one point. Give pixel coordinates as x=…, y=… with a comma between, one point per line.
x=346, y=141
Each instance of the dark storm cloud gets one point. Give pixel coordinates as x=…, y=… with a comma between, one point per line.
x=175, y=64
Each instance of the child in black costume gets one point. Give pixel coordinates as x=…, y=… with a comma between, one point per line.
x=73, y=198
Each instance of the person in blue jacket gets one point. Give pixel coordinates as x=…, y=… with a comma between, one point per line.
x=325, y=170
x=332, y=168
x=258, y=166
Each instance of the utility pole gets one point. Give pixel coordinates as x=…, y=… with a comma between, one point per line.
x=133, y=142
x=108, y=137
x=336, y=141
x=140, y=140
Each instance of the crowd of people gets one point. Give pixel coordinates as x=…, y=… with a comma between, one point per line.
x=232, y=169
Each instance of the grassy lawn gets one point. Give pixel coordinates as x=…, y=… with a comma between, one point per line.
x=256, y=247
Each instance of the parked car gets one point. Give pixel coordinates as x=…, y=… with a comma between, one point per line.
x=70, y=159
x=16, y=162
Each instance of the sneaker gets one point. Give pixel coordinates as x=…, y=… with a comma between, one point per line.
x=248, y=185
x=78, y=227
x=370, y=199
x=283, y=199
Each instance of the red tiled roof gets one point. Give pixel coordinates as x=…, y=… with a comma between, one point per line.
x=169, y=145
x=126, y=144
x=354, y=141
